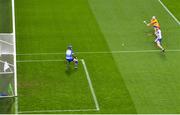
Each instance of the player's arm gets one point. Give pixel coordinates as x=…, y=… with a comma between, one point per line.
x=150, y=24
x=75, y=59
x=73, y=55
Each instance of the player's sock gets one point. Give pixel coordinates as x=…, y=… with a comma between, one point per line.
x=163, y=50
x=76, y=64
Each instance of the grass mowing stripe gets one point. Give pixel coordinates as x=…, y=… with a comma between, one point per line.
x=169, y=12
x=116, y=21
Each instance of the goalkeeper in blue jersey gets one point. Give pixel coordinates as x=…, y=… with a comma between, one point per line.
x=70, y=57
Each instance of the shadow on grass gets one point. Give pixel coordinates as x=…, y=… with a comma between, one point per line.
x=69, y=71
x=7, y=105
x=163, y=55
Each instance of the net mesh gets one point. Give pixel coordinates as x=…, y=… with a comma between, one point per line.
x=7, y=65
x=6, y=44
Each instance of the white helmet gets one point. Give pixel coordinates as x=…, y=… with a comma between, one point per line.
x=69, y=46
x=154, y=17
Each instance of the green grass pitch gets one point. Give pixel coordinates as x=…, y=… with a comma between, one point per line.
x=128, y=73
x=5, y=16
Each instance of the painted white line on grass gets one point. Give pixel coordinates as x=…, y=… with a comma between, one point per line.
x=169, y=12
x=101, y=52
x=90, y=85
x=121, y=51
x=50, y=111
x=26, y=61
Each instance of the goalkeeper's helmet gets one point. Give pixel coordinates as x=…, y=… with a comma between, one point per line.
x=69, y=46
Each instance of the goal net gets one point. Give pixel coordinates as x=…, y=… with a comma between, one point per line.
x=8, y=85
x=7, y=65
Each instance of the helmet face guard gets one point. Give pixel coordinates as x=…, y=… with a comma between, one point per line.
x=69, y=46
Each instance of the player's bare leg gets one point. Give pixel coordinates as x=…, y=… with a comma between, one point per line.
x=160, y=46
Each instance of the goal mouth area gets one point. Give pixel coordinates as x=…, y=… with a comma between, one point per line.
x=7, y=88
x=7, y=68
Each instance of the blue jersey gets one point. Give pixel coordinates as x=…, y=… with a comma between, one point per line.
x=69, y=54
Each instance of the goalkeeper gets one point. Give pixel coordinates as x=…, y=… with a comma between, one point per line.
x=70, y=57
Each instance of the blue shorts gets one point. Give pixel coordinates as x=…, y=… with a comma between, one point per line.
x=158, y=40
x=70, y=60
x=156, y=27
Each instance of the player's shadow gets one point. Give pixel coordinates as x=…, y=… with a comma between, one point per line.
x=69, y=71
x=162, y=55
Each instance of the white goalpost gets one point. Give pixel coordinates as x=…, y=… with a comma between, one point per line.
x=14, y=38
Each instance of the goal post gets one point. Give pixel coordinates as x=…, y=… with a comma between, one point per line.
x=14, y=38
x=8, y=71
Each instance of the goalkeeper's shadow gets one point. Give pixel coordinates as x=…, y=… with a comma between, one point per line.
x=69, y=71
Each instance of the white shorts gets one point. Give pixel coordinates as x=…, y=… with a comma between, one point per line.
x=158, y=40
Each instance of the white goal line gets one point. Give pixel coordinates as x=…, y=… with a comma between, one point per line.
x=51, y=111
x=101, y=52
